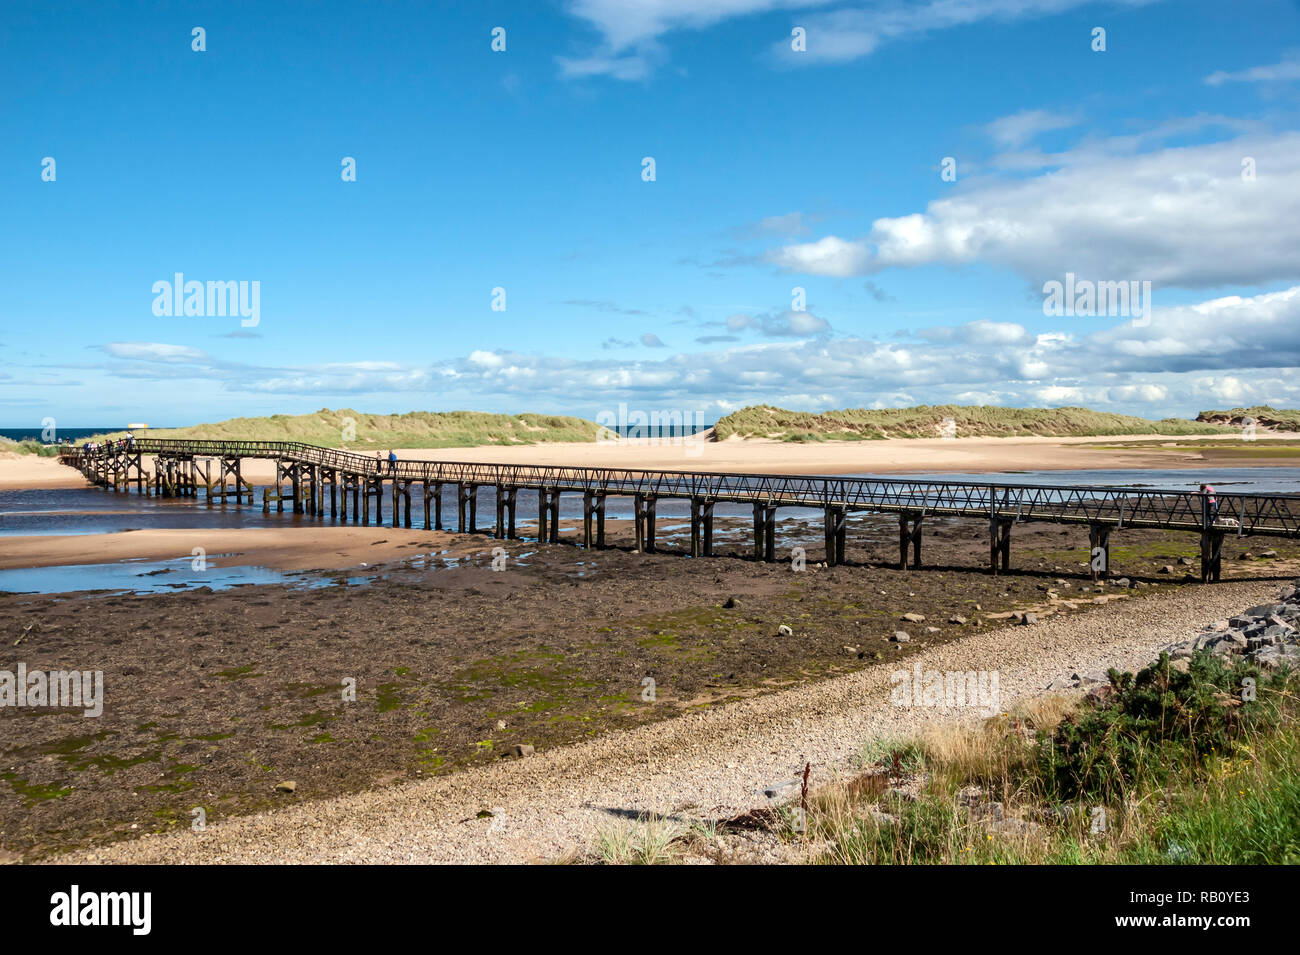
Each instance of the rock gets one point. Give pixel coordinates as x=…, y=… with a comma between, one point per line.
x=959, y=621
x=1103, y=692
x=521, y=749
x=501, y=724
x=1234, y=641
x=914, y=617
x=993, y=810
x=1029, y=619
x=775, y=790
x=1268, y=555
x=931, y=629
x=1167, y=569
x=1245, y=555
x=287, y=786
x=784, y=631
x=900, y=636
x=1014, y=827
x=731, y=604
x=1272, y=658
x=1185, y=561
x=849, y=650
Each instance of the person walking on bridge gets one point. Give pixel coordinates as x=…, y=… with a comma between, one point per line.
x=392, y=462
x=1211, y=503
x=379, y=462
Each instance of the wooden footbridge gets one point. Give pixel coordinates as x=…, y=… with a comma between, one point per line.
x=304, y=473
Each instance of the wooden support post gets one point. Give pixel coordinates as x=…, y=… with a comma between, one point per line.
x=512, y=504
x=334, y=501
x=427, y=524
x=841, y=533
x=650, y=501
x=473, y=508
x=600, y=519
x=379, y=501
x=909, y=538
x=406, y=503
x=1000, y=543
x=1099, y=550
x=769, y=534
x=708, y=527
x=829, y=532
x=500, y=531
x=542, y=511
x=397, y=514
x=461, y=506
x=365, y=500
x=1211, y=556
x=437, y=506
x=588, y=507
x=695, y=527
x=759, y=512
x=638, y=510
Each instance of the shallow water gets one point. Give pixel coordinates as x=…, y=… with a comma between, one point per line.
x=157, y=576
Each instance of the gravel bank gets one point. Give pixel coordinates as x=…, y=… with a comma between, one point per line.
x=712, y=763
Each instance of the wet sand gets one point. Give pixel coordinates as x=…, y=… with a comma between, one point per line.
x=290, y=548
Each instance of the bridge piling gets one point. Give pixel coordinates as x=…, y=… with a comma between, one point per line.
x=1000, y=543
x=909, y=537
x=1099, y=550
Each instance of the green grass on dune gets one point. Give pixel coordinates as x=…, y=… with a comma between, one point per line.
x=1265, y=416
x=925, y=421
x=415, y=429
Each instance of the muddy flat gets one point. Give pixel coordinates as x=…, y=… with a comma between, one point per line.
x=214, y=698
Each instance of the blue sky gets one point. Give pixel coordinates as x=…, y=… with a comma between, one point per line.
x=775, y=169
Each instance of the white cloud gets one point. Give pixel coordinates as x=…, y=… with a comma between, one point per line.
x=1179, y=217
x=829, y=256
x=850, y=33
x=1012, y=132
x=154, y=351
x=1284, y=71
x=631, y=31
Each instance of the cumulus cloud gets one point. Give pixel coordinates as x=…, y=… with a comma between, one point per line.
x=1179, y=217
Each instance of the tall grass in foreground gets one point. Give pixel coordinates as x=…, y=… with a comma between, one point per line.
x=1176, y=769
